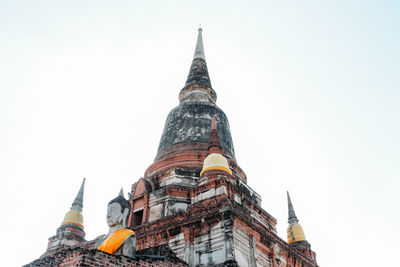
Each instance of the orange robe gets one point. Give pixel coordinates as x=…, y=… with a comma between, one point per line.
x=115, y=240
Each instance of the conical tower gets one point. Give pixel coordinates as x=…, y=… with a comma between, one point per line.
x=74, y=215
x=71, y=232
x=195, y=197
x=198, y=83
x=186, y=135
x=295, y=233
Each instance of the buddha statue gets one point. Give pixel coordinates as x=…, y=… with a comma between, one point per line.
x=118, y=240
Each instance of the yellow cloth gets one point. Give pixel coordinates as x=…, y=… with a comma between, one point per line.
x=115, y=240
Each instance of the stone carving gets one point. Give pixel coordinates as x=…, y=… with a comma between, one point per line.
x=118, y=240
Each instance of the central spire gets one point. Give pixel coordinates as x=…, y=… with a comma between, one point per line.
x=198, y=83
x=199, y=51
x=187, y=127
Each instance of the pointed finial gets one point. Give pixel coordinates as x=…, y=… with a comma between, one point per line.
x=199, y=51
x=198, y=80
x=78, y=202
x=121, y=192
x=292, y=215
x=215, y=144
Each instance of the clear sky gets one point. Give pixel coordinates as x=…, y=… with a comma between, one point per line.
x=311, y=90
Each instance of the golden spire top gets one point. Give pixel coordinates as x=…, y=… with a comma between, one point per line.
x=295, y=232
x=74, y=215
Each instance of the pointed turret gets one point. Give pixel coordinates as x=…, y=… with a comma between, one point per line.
x=71, y=232
x=74, y=216
x=121, y=192
x=295, y=233
x=198, y=80
x=215, y=144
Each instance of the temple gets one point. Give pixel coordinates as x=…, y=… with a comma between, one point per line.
x=193, y=205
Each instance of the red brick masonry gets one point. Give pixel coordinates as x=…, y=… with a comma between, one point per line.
x=94, y=257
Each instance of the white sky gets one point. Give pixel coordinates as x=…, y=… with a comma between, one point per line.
x=311, y=90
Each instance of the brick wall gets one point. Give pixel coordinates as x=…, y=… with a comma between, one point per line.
x=94, y=257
